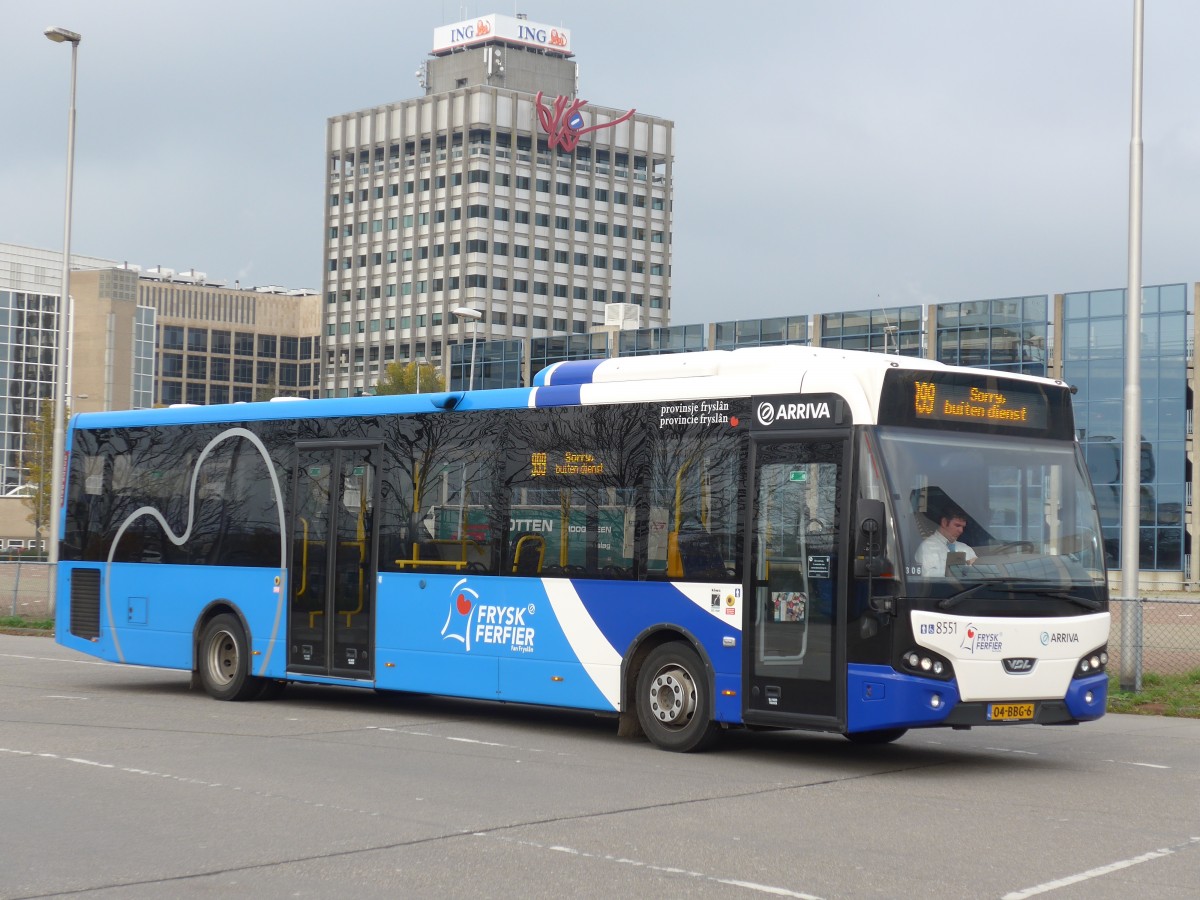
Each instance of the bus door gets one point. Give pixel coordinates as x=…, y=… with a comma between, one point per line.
x=793, y=630
x=332, y=576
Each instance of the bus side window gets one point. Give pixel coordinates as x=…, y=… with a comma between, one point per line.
x=444, y=480
x=573, y=483
x=695, y=501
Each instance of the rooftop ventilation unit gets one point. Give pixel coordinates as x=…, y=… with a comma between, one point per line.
x=625, y=316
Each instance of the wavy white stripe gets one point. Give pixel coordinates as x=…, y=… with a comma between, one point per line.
x=180, y=540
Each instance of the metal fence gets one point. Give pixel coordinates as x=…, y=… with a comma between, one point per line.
x=1158, y=635
x=25, y=589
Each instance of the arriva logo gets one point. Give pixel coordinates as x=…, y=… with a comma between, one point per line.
x=769, y=413
x=471, y=621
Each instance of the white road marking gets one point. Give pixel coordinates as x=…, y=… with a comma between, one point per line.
x=91, y=662
x=180, y=779
x=1125, y=762
x=668, y=870
x=470, y=741
x=78, y=662
x=1101, y=870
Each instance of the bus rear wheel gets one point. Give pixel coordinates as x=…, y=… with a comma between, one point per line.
x=673, y=702
x=224, y=661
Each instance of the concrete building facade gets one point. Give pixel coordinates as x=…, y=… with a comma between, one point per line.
x=495, y=191
x=139, y=339
x=215, y=344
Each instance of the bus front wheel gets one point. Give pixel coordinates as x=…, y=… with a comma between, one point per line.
x=673, y=702
x=224, y=660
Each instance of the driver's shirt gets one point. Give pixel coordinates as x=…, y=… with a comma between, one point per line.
x=931, y=555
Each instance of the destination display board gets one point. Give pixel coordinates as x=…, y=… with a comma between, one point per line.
x=976, y=402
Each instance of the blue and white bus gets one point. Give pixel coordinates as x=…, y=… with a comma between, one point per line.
x=689, y=542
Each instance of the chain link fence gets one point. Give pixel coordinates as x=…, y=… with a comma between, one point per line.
x=1158, y=635
x=25, y=590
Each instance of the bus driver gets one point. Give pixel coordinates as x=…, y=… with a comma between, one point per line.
x=935, y=549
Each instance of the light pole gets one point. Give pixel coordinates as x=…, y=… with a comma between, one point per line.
x=58, y=451
x=419, y=362
x=465, y=312
x=1131, y=436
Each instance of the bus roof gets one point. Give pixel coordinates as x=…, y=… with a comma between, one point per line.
x=855, y=375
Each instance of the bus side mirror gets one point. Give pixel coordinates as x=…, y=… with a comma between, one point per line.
x=871, y=534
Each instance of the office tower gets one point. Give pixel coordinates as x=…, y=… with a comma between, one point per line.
x=499, y=190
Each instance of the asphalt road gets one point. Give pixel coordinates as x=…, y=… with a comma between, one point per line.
x=120, y=782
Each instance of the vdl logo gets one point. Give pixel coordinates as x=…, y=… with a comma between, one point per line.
x=1019, y=665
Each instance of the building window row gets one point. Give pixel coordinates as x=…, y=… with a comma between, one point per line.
x=367, y=161
x=201, y=340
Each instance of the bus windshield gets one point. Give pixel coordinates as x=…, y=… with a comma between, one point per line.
x=976, y=509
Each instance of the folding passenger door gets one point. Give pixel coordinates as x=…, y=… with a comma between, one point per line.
x=331, y=608
x=794, y=630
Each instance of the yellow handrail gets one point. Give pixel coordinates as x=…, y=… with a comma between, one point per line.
x=536, y=539
x=303, y=560
x=460, y=563
x=564, y=526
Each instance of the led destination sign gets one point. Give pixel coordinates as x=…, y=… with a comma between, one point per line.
x=564, y=464
x=957, y=402
x=975, y=402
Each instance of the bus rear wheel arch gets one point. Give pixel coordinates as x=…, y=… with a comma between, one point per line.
x=673, y=699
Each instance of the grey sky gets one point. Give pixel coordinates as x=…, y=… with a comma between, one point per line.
x=829, y=155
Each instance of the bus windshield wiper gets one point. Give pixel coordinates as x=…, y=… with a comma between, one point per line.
x=1051, y=593
x=955, y=599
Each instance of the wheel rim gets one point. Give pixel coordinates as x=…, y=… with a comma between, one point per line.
x=223, y=658
x=672, y=697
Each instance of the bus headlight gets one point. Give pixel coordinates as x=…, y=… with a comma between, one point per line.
x=1093, y=663
x=924, y=662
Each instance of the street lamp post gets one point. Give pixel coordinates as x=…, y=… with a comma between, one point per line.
x=58, y=452
x=419, y=362
x=466, y=312
x=475, y=315
x=1130, y=676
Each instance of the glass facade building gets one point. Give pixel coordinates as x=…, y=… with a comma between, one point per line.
x=760, y=332
x=1093, y=359
x=893, y=330
x=1009, y=334
x=545, y=351
x=1078, y=337
x=498, y=364
x=676, y=339
x=28, y=336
